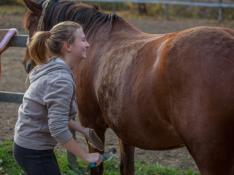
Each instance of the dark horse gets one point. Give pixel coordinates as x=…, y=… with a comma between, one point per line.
x=154, y=91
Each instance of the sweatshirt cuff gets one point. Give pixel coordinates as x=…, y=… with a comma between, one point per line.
x=63, y=137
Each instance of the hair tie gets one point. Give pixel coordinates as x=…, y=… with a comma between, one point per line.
x=48, y=34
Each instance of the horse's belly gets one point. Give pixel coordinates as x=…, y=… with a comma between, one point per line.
x=152, y=136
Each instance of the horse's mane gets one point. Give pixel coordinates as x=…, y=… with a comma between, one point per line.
x=88, y=16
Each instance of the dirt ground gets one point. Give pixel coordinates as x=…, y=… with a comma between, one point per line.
x=13, y=79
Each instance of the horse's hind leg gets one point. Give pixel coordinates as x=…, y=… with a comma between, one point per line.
x=213, y=160
x=210, y=141
x=101, y=133
x=127, y=159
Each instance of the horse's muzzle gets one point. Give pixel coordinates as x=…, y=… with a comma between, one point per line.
x=28, y=66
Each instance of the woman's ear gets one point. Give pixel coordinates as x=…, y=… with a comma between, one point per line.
x=66, y=47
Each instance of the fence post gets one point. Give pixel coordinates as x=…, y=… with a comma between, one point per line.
x=142, y=9
x=113, y=8
x=166, y=11
x=220, y=13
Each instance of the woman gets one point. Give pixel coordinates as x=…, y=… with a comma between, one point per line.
x=49, y=103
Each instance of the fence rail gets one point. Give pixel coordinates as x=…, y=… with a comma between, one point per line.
x=19, y=41
x=14, y=97
x=219, y=4
x=11, y=97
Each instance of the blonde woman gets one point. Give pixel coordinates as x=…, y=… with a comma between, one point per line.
x=49, y=102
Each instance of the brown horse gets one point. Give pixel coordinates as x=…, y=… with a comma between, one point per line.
x=156, y=92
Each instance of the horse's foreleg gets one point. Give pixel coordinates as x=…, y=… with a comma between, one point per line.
x=101, y=133
x=127, y=159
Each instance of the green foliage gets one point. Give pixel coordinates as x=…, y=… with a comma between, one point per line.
x=112, y=6
x=156, y=169
x=7, y=163
x=177, y=11
x=154, y=10
x=8, y=2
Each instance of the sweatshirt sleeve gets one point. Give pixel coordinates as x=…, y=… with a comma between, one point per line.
x=57, y=100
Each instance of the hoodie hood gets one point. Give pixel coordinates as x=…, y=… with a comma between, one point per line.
x=54, y=64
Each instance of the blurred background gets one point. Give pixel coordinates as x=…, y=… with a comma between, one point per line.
x=161, y=17
x=208, y=9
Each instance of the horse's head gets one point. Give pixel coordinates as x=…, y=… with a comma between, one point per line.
x=32, y=16
x=31, y=21
x=46, y=14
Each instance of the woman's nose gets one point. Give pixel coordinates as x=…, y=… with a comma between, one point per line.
x=87, y=44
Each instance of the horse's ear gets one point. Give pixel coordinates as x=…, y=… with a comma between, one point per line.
x=34, y=7
x=96, y=7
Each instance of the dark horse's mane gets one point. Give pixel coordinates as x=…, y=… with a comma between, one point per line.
x=96, y=25
x=88, y=16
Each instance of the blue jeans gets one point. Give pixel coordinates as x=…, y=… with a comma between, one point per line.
x=36, y=162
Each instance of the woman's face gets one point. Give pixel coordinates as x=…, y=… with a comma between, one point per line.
x=80, y=45
x=78, y=49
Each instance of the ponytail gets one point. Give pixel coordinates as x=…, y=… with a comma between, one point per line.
x=38, y=47
x=50, y=43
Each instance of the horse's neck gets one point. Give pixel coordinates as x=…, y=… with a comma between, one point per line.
x=124, y=27
x=121, y=31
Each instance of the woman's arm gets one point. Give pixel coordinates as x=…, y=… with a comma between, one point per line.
x=57, y=100
x=73, y=147
x=89, y=134
x=76, y=126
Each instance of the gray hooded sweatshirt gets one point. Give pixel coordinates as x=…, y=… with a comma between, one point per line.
x=47, y=106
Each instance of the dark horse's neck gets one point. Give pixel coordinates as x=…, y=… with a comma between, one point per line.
x=105, y=25
x=94, y=22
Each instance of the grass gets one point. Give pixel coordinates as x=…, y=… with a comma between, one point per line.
x=8, y=166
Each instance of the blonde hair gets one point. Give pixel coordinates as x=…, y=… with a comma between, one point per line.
x=45, y=43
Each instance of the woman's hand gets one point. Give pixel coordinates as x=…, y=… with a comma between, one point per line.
x=94, y=158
